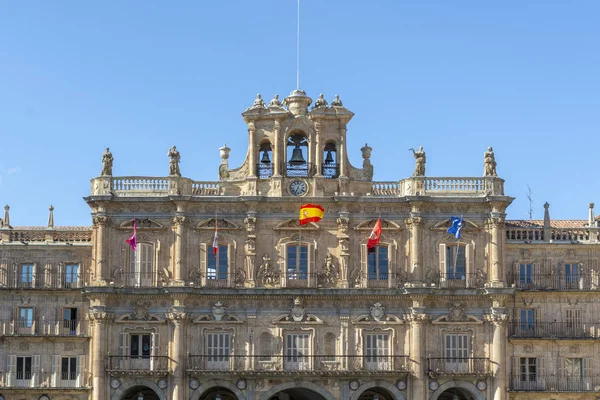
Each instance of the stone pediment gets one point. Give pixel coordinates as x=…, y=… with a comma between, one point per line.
x=308, y=319
x=367, y=319
x=142, y=223
x=445, y=224
x=210, y=319
x=386, y=225
x=224, y=224
x=149, y=318
x=468, y=319
x=294, y=224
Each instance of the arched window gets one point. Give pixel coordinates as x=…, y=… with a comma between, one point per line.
x=264, y=168
x=297, y=149
x=141, y=266
x=331, y=166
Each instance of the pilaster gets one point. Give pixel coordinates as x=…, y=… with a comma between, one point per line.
x=414, y=223
x=180, y=235
x=101, y=273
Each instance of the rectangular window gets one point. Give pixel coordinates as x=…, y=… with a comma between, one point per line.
x=68, y=368
x=26, y=276
x=70, y=320
x=457, y=351
x=571, y=276
x=140, y=345
x=218, y=349
x=527, y=321
x=574, y=367
x=24, y=369
x=528, y=369
x=141, y=268
x=297, y=352
x=525, y=275
x=25, y=317
x=377, y=264
x=377, y=351
x=217, y=267
x=456, y=262
x=71, y=276
x=297, y=262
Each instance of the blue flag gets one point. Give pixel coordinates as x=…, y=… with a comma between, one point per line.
x=456, y=227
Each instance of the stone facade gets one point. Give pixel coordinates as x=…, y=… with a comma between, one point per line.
x=292, y=312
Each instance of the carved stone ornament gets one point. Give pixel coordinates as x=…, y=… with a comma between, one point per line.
x=298, y=312
x=218, y=310
x=377, y=311
x=457, y=312
x=497, y=319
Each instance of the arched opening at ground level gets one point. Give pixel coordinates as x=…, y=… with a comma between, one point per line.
x=457, y=390
x=297, y=394
x=140, y=393
x=456, y=394
x=376, y=393
x=218, y=393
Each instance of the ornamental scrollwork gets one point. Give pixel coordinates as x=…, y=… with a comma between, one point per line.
x=414, y=221
x=497, y=319
x=178, y=220
x=416, y=318
x=100, y=220
x=176, y=317
x=99, y=316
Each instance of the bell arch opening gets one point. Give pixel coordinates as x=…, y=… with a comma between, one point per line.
x=331, y=165
x=296, y=155
x=264, y=168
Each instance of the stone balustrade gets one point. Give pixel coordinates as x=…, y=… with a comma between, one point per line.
x=439, y=186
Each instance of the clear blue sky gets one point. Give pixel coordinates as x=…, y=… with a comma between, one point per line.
x=452, y=76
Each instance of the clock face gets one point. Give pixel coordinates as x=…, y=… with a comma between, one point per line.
x=298, y=188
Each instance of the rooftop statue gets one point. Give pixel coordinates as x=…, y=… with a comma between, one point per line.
x=337, y=102
x=107, y=163
x=275, y=102
x=321, y=102
x=258, y=102
x=489, y=163
x=419, y=161
x=174, y=162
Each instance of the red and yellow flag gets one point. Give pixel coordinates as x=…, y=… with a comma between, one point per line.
x=311, y=213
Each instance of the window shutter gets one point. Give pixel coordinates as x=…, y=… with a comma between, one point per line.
x=11, y=367
x=203, y=256
x=55, y=370
x=34, y=276
x=562, y=364
x=230, y=262
x=541, y=373
x=585, y=367
x=470, y=258
x=363, y=264
x=35, y=382
x=124, y=344
x=80, y=371
x=15, y=275
x=154, y=360
x=442, y=250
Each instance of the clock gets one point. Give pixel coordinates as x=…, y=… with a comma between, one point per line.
x=481, y=385
x=298, y=187
x=401, y=385
x=115, y=383
x=241, y=384
x=194, y=384
x=354, y=385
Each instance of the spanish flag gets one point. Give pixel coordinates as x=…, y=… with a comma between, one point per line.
x=310, y=213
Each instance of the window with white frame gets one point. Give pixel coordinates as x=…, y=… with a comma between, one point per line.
x=297, y=261
x=139, y=350
x=378, y=263
x=218, y=350
x=573, y=322
x=457, y=351
x=25, y=317
x=141, y=265
x=217, y=265
x=377, y=351
x=67, y=371
x=297, y=350
x=71, y=276
x=27, y=276
x=23, y=371
x=528, y=369
x=24, y=368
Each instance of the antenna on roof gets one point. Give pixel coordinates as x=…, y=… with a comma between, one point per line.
x=530, y=198
x=298, y=51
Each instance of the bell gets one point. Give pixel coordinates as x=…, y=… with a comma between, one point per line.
x=329, y=158
x=265, y=158
x=297, y=158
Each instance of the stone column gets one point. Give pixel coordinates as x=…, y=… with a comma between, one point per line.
x=252, y=148
x=180, y=236
x=342, y=152
x=277, y=149
x=178, y=354
x=343, y=239
x=319, y=150
x=416, y=265
x=417, y=319
x=99, y=320
x=496, y=229
x=102, y=275
x=499, y=365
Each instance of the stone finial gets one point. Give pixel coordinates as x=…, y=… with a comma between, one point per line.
x=321, y=102
x=591, y=214
x=546, y=215
x=51, y=217
x=337, y=102
x=224, y=152
x=297, y=102
x=6, y=216
x=366, y=151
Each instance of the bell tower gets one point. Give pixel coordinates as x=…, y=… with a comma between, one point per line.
x=295, y=150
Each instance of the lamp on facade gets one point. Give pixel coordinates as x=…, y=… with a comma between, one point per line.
x=140, y=396
x=218, y=397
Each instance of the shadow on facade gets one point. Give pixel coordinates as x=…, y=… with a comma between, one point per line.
x=297, y=394
x=140, y=393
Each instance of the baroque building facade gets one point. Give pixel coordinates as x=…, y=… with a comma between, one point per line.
x=292, y=312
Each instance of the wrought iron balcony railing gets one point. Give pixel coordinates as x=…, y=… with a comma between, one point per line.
x=15, y=279
x=299, y=364
x=577, y=281
x=554, y=330
x=299, y=171
x=459, y=366
x=139, y=364
x=330, y=170
x=460, y=280
x=264, y=170
x=38, y=380
x=43, y=327
x=554, y=383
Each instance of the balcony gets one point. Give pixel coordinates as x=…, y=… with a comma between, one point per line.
x=299, y=171
x=462, y=366
x=579, y=281
x=139, y=365
x=330, y=170
x=13, y=279
x=44, y=327
x=44, y=380
x=264, y=170
x=460, y=281
x=554, y=330
x=299, y=364
x=554, y=383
